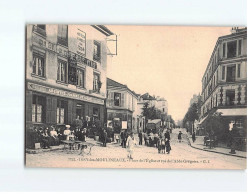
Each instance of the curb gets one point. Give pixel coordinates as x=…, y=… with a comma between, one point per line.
x=214, y=151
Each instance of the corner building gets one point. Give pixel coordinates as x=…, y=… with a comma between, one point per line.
x=65, y=73
x=224, y=83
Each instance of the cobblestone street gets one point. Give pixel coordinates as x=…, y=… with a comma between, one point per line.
x=114, y=156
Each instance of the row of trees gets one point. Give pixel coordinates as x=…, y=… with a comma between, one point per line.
x=190, y=117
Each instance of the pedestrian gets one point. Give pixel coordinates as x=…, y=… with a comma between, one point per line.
x=140, y=138
x=46, y=139
x=179, y=136
x=193, y=136
x=167, y=146
x=124, y=139
x=67, y=132
x=130, y=145
x=82, y=137
x=104, y=138
x=167, y=135
x=159, y=145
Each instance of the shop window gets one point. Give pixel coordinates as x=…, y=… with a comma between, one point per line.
x=96, y=51
x=96, y=113
x=38, y=65
x=38, y=109
x=231, y=72
x=80, y=110
x=230, y=97
x=239, y=69
x=80, y=78
x=231, y=49
x=96, y=81
x=61, y=111
x=117, y=99
x=62, y=35
x=239, y=123
x=62, y=71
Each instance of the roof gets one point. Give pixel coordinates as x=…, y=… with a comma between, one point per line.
x=103, y=29
x=233, y=112
x=146, y=96
x=113, y=83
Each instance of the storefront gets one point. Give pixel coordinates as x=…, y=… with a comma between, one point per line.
x=120, y=119
x=47, y=106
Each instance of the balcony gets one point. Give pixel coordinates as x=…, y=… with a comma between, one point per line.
x=39, y=30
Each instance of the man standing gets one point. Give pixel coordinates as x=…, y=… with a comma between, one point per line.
x=140, y=138
x=104, y=138
x=193, y=136
x=167, y=135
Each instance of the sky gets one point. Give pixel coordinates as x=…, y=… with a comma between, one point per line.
x=165, y=61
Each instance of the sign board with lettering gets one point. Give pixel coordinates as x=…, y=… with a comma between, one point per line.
x=63, y=93
x=81, y=42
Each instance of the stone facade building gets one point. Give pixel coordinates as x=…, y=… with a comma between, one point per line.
x=224, y=83
x=65, y=73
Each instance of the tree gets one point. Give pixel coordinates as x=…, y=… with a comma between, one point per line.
x=191, y=116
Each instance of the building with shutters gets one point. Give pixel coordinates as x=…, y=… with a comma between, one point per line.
x=65, y=73
x=121, y=106
x=224, y=83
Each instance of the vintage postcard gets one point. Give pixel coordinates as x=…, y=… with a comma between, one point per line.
x=109, y=96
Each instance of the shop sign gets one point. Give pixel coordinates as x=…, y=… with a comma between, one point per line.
x=81, y=42
x=63, y=93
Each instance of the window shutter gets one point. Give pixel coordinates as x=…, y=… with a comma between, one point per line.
x=111, y=97
x=54, y=110
x=48, y=109
x=29, y=106
x=122, y=100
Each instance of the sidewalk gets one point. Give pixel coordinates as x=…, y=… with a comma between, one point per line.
x=199, y=144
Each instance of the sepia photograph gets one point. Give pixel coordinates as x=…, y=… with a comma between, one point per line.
x=133, y=96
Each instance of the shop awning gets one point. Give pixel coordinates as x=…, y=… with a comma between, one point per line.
x=233, y=112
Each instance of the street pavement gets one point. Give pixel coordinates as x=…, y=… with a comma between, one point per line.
x=181, y=156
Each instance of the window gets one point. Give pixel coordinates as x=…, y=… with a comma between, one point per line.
x=40, y=29
x=61, y=111
x=239, y=123
x=96, y=112
x=62, y=35
x=231, y=49
x=217, y=77
x=96, y=51
x=38, y=109
x=38, y=65
x=80, y=110
x=72, y=75
x=231, y=72
x=96, y=81
x=62, y=71
x=223, y=72
x=230, y=97
x=224, y=50
x=239, y=47
x=239, y=69
x=80, y=78
x=117, y=99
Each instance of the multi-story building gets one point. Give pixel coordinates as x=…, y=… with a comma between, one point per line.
x=161, y=104
x=121, y=106
x=65, y=73
x=224, y=83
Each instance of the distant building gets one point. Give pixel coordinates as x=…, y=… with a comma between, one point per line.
x=121, y=106
x=224, y=83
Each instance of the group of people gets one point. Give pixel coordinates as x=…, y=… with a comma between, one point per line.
x=50, y=136
x=162, y=141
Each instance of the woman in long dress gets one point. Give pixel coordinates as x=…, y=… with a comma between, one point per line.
x=131, y=142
